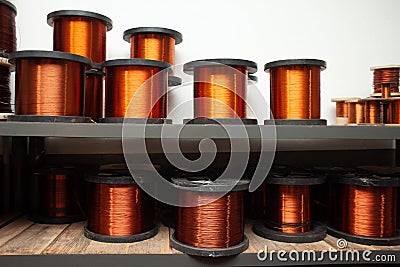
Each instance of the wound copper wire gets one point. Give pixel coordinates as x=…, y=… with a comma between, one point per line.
x=5, y=92
x=288, y=208
x=386, y=75
x=125, y=82
x=119, y=209
x=82, y=36
x=219, y=224
x=373, y=111
x=396, y=111
x=58, y=194
x=52, y=87
x=8, y=36
x=220, y=92
x=94, y=100
x=341, y=109
x=365, y=210
x=295, y=92
x=153, y=46
x=356, y=112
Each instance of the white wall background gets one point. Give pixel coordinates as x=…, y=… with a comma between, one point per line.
x=351, y=35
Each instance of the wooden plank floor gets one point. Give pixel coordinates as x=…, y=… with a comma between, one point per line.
x=23, y=237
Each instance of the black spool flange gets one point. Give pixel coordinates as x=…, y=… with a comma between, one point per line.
x=174, y=34
x=40, y=54
x=51, y=119
x=136, y=62
x=209, y=252
x=295, y=179
x=136, y=120
x=223, y=121
x=202, y=184
x=295, y=62
x=365, y=240
x=120, y=239
x=366, y=180
x=174, y=81
x=9, y=4
x=251, y=66
x=317, y=233
x=315, y=122
x=78, y=13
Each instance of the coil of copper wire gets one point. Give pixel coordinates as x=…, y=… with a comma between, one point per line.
x=342, y=109
x=356, y=111
x=80, y=32
x=211, y=230
x=395, y=109
x=8, y=36
x=373, y=110
x=119, y=210
x=49, y=83
x=288, y=216
x=220, y=88
x=94, y=90
x=55, y=196
x=5, y=91
x=142, y=81
x=295, y=90
x=367, y=215
x=385, y=74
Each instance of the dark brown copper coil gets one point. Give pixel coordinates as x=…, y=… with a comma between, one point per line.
x=8, y=36
x=365, y=210
x=49, y=83
x=58, y=194
x=288, y=208
x=5, y=92
x=373, y=111
x=396, y=111
x=295, y=88
x=356, y=112
x=144, y=85
x=80, y=32
x=94, y=90
x=386, y=75
x=387, y=111
x=119, y=209
x=219, y=224
x=220, y=92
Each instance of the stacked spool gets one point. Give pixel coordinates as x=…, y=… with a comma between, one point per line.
x=295, y=91
x=288, y=210
x=55, y=196
x=119, y=211
x=84, y=33
x=8, y=44
x=215, y=229
x=156, y=44
x=368, y=213
x=220, y=90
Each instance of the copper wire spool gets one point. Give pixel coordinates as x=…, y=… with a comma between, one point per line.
x=386, y=74
x=94, y=90
x=80, y=32
x=295, y=88
x=220, y=87
x=289, y=208
x=141, y=81
x=356, y=111
x=153, y=43
x=395, y=104
x=57, y=193
x=8, y=36
x=342, y=109
x=5, y=92
x=49, y=83
x=119, y=210
x=368, y=211
x=373, y=111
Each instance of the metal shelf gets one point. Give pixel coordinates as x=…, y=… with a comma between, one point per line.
x=88, y=130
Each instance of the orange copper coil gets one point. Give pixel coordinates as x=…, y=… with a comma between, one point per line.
x=366, y=210
x=153, y=43
x=356, y=111
x=80, y=32
x=118, y=208
x=373, y=110
x=8, y=37
x=220, y=87
x=49, y=83
x=94, y=90
x=141, y=81
x=396, y=110
x=56, y=192
x=386, y=74
x=295, y=88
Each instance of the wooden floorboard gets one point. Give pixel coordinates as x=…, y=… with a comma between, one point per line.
x=22, y=237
